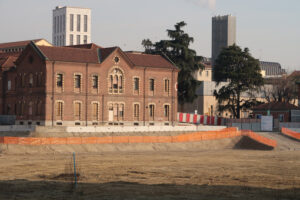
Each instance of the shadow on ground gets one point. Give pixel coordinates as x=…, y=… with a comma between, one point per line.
x=24, y=189
x=250, y=144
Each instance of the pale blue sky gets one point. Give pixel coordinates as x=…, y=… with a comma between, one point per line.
x=269, y=28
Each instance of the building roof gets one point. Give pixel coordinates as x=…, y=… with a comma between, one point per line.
x=207, y=66
x=275, y=106
x=148, y=60
x=85, y=46
x=7, y=54
x=272, y=68
x=17, y=44
x=295, y=74
x=7, y=62
x=91, y=54
x=105, y=52
x=70, y=54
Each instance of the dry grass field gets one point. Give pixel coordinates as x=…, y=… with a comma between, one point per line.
x=211, y=174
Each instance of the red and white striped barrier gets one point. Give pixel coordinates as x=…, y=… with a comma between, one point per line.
x=200, y=119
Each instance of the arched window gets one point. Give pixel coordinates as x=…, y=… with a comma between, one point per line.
x=116, y=81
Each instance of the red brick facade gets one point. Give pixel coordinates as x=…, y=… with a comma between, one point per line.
x=90, y=86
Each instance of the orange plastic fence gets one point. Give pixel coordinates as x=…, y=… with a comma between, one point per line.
x=191, y=137
x=290, y=133
x=259, y=138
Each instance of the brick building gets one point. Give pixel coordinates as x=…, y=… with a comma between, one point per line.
x=279, y=110
x=90, y=85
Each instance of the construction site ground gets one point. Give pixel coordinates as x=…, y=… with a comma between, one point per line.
x=201, y=170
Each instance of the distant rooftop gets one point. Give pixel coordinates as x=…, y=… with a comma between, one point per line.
x=279, y=106
x=60, y=7
x=272, y=68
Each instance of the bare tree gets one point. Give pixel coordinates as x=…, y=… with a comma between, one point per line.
x=282, y=89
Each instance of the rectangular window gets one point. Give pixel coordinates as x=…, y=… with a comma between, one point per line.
x=207, y=73
x=281, y=117
x=166, y=111
x=71, y=39
x=30, y=80
x=64, y=23
x=78, y=23
x=78, y=39
x=77, y=109
x=121, y=111
x=136, y=84
x=54, y=24
x=95, y=81
x=71, y=22
x=59, y=80
x=57, y=24
x=136, y=111
x=9, y=85
x=61, y=23
x=85, y=23
x=151, y=84
x=63, y=40
x=95, y=111
x=39, y=79
x=85, y=39
x=167, y=85
x=77, y=81
x=59, y=109
x=23, y=80
x=151, y=111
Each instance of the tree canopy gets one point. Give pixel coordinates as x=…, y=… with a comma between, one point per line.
x=178, y=51
x=242, y=72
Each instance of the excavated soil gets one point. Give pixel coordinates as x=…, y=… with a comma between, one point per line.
x=218, y=169
x=211, y=174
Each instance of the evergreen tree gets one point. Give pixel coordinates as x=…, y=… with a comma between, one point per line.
x=242, y=72
x=178, y=51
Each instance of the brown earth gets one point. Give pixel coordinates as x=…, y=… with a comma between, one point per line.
x=202, y=174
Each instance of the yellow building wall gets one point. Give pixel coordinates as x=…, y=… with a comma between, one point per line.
x=43, y=43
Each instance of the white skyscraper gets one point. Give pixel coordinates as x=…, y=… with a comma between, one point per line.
x=71, y=26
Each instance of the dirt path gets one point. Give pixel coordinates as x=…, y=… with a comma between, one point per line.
x=213, y=174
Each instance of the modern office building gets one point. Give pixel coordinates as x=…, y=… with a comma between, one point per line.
x=71, y=26
x=223, y=34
